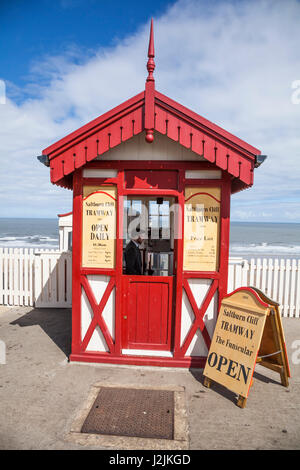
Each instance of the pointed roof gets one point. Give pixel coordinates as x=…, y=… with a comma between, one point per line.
x=151, y=55
x=151, y=111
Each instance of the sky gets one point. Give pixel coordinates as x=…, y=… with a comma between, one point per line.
x=65, y=62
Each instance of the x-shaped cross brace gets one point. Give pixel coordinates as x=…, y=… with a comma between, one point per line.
x=199, y=314
x=97, y=310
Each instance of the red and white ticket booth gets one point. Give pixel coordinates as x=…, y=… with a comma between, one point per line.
x=153, y=157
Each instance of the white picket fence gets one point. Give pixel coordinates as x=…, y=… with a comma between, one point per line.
x=43, y=278
x=53, y=279
x=17, y=276
x=40, y=278
x=279, y=279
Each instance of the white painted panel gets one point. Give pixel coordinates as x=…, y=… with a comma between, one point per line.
x=108, y=313
x=187, y=317
x=65, y=220
x=211, y=314
x=197, y=346
x=86, y=314
x=162, y=148
x=146, y=352
x=97, y=341
x=199, y=288
x=203, y=174
x=99, y=173
x=98, y=285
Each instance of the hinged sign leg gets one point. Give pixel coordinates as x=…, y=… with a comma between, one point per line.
x=207, y=382
x=241, y=401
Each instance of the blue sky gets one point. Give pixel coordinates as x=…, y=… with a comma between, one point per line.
x=66, y=62
x=34, y=29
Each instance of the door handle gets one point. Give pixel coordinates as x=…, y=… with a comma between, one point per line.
x=125, y=317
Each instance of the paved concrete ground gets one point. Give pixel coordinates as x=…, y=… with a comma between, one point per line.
x=41, y=393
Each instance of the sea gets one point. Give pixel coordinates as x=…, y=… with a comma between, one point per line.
x=247, y=239
x=262, y=239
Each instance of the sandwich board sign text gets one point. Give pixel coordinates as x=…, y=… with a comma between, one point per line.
x=237, y=341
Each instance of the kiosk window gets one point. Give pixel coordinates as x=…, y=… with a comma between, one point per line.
x=151, y=218
x=159, y=220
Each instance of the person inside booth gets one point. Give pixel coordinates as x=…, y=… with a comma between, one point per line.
x=148, y=236
x=133, y=258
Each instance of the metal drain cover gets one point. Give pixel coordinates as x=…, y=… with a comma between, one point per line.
x=132, y=412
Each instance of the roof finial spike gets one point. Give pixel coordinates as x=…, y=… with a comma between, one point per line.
x=151, y=63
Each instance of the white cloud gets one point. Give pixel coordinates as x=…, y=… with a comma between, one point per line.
x=232, y=62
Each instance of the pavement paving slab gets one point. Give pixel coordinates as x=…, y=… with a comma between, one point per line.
x=41, y=393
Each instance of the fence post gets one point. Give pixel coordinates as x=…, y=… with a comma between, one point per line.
x=281, y=284
x=245, y=272
x=287, y=288
x=252, y=272
x=5, y=276
x=37, y=279
x=297, y=306
x=270, y=277
x=2, y=277
x=292, y=302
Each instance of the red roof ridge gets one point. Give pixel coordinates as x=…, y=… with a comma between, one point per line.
x=205, y=123
x=91, y=126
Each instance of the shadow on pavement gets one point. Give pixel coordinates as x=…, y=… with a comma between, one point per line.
x=56, y=323
x=224, y=392
x=265, y=379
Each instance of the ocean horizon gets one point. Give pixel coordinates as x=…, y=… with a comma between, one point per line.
x=247, y=239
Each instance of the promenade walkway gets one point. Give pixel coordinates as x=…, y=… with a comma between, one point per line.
x=41, y=393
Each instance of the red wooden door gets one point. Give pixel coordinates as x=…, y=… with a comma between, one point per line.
x=147, y=312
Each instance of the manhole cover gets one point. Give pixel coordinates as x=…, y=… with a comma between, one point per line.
x=132, y=412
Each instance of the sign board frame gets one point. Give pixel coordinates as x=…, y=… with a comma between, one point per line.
x=273, y=339
x=248, y=331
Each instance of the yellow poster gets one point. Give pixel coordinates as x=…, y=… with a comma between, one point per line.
x=201, y=229
x=99, y=227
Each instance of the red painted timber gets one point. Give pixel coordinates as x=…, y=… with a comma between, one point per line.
x=181, y=125
x=187, y=362
x=93, y=126
x=76, y=261
x=205, y=123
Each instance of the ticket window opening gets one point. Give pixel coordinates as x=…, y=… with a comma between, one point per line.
x=153, y=217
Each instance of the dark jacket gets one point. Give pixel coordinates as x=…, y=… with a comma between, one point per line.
x=133, y=259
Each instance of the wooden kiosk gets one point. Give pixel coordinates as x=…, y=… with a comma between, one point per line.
x=153, y=156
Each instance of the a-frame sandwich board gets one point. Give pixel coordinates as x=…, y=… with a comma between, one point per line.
x=248, y=331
